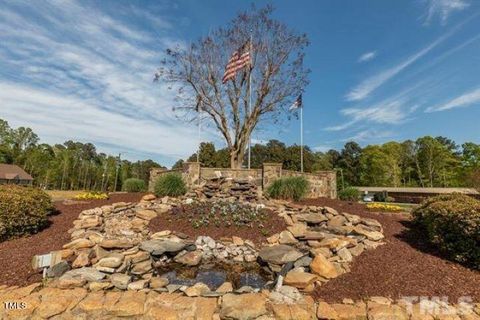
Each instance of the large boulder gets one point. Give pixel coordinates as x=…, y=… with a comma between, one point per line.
x=243, y=306
x=321, y=266
x=313, y=217
x=367, y=232
x=299, y=279
x=88, y=274
x=158, y=247
x=279, y=254
x=192, y=258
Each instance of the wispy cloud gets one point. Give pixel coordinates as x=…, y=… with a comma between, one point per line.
x=383, y=113
x=442, y=9
x=464, y=100
x=367, y=86
x=369, y=135
x=367, y=56
x=71, y=70
x=394, y=109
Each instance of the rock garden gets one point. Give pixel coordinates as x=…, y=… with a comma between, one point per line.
x=217, y=256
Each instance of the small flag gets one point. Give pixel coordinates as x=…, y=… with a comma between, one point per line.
x=297, y=104
x=239, y=60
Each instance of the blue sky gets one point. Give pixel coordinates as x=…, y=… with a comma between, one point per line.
x=381, y=71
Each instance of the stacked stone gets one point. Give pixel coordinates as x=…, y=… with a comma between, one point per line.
x=234, y=189
x=54, y=303
x=319, y=244
x=111, y=248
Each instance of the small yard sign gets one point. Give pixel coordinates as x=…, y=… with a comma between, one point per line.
x=46, y=260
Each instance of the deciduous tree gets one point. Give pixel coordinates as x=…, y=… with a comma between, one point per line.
x=278, y=76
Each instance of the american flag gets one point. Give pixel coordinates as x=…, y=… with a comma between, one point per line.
x=297, y=104
x=239, y=60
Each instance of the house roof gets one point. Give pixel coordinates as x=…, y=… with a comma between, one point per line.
x=13, y=172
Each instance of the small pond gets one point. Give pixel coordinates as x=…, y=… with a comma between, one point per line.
x=216, y=273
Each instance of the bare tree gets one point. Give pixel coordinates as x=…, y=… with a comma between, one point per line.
x=277, y=69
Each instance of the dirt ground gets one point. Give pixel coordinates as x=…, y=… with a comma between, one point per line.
x=405, y=266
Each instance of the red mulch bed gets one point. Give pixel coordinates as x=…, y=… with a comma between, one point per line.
x=406, y=266
x=16, y=254
x=177, y=220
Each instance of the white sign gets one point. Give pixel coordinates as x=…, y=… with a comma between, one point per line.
x=46, y=260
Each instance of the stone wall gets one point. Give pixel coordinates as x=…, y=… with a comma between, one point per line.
x=322, y=184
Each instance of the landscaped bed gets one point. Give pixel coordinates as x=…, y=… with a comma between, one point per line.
x=405, y=266
x=222, y=219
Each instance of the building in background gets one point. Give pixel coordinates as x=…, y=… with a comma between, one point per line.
x=12, y=174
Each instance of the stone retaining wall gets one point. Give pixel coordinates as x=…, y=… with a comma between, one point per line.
x=44, y=302
x=322, y=183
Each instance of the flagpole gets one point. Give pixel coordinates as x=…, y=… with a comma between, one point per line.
x=199, y=138
x=250, y=99
x=301, y=138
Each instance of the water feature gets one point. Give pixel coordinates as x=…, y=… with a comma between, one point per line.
x=216, y=273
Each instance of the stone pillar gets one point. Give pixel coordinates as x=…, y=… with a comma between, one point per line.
x=271, y=172
x=191, y=173
x=154, y=173
x=332, y=183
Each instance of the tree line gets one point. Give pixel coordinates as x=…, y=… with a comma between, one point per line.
x=68, y=166
x=425, y=162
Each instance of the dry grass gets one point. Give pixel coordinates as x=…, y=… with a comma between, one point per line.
x=60, y=195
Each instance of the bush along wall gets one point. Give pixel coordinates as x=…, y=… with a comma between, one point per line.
x=349, y=194
x=170, y=184
x=289, y=188
x=23, y=210
x=452, y=222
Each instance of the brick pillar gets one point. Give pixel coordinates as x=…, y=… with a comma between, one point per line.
x=271, y=172
x=191, y=173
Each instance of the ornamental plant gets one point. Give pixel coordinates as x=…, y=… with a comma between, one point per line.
x=452, y=223
x=349, y=194
x=170, y=184
x=222, y=214
x=91, y=195
x=23, y=210
x=288, y=188
x=383, y=207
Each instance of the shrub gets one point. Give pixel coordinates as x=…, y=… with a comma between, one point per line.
x=134, y=185
x=170, y=184
x=91, y=195
x=452, y=222
x=289, y=188
x=349, y=194
x=23, y=210
x=383, y=207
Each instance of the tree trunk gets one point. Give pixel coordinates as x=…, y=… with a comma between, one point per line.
x=236, y=158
